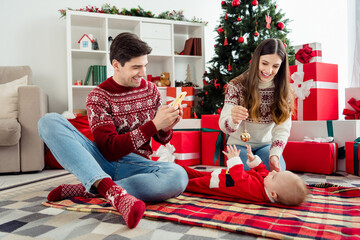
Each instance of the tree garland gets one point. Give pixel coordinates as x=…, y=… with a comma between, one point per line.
x=137, y=12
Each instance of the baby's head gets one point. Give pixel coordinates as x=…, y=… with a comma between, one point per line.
x=286, y=188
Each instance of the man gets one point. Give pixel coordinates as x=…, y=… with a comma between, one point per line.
x=124, y=114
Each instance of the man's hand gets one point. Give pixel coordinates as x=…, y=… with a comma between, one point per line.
x=274, y=163
x=167, y=117
x=239, y=113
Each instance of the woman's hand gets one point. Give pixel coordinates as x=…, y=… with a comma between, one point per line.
x=239, y=113
x=274, y=163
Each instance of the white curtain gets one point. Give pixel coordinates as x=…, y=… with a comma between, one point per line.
x=355, y=80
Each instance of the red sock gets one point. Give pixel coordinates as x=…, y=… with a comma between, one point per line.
x=131, y=208
x=67, y=191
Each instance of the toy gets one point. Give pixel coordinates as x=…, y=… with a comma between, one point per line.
x=164, y=80
x=86, y=42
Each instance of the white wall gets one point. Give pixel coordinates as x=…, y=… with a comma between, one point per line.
x=32, y=33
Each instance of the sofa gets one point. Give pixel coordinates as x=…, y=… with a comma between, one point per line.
x=21, y=148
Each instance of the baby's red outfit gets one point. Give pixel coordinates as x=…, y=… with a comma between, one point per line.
x=232, y=182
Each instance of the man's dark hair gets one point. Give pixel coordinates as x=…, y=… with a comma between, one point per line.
x=126, y=46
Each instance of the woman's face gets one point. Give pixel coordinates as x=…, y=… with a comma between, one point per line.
x=269, y=66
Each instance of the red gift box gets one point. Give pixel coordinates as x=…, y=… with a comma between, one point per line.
x=312, y=157
x=186, y=112
x=187, y=147
x=173, y=92
x=213, y=141
x=352, y=155
x=316, y=90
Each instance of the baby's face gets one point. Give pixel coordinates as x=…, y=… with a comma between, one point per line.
x=275, y=180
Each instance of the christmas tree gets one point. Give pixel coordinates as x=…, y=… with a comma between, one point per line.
x=243, y=25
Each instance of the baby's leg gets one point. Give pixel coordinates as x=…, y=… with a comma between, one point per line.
x=192, y=173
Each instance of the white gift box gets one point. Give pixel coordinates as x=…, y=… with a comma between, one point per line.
x=310, y=52
x=342, y=131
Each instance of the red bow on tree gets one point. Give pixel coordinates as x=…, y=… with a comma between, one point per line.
x=352, y=114
x=305, y=54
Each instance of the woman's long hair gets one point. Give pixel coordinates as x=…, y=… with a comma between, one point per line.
x=282, y=106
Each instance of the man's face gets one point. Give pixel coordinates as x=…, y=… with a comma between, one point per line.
x=131, y=73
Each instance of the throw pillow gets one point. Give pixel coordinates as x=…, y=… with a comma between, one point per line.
x=9, y=97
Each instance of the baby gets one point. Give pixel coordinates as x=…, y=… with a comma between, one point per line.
x=256, y=184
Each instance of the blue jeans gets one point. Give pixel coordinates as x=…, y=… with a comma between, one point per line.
x=143, y=178
x=263, y=152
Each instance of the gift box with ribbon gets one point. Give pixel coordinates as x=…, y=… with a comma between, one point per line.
x=173, y=92
x=352, y=103
x=308, y=53
x=316, y=91
x=213, y=141
x=353, y=113
x=353, y=157
x=341, y=130
x=184, y=148
x=312, y=157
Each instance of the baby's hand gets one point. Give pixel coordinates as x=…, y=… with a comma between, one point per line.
x=232, y=151
x=249, y=154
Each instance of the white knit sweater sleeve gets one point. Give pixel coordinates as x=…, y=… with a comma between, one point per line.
x=280, y=135
x=226, y=123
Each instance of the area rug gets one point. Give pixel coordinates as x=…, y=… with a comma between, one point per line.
x=331, y=212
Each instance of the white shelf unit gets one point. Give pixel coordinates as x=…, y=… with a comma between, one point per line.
x=164, y=36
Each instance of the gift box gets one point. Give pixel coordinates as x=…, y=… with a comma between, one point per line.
x=173, y=92
x=308, y=53
x=352, y=157
x=186, y=112
x=316, y=91
x=352, y=103
x=213, y=141
x=186, y=151
x=341, y=130
x=310, y=157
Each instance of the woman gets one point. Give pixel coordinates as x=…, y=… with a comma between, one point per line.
x=260, y=102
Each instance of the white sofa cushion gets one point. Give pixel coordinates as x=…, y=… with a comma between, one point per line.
x=9, y=97
x=10, y=132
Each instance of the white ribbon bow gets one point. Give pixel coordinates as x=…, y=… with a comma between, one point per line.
x=301, y=88
x=166, y=153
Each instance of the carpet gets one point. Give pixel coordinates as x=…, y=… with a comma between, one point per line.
x=331, y=212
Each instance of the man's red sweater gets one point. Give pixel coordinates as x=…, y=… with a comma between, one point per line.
x=121, y=118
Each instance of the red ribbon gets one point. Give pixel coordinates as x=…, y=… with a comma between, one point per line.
x=306, y=53
x=352, y=114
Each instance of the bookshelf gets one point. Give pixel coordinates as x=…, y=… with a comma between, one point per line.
x=164, y=36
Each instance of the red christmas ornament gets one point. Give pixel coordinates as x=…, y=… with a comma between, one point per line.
x=238, y=19
x=235, y=3
x=218, y=110
x=240, y=39
x=216, y=84
x=275, y=6
x=280, y=26
x=256, y=34
x=214, y=45
x=223, y=3
x=220, y=30
x=206, y=93
x=285, y=45
x=229, y=67
x=254, y=3
x=205, y=82
x=225, y=16
x=226, y=42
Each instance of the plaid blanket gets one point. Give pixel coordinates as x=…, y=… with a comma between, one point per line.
x=331, y=212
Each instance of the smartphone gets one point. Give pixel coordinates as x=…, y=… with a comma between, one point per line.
x=179, y=99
